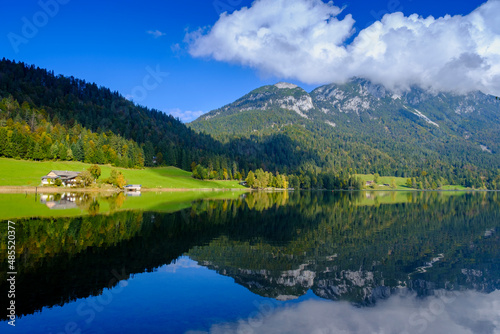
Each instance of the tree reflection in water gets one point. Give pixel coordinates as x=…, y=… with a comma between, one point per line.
x=357, y=246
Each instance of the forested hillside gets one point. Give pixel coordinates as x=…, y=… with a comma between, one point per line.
x=362, y=127
x=25, y=133
x=47, y=100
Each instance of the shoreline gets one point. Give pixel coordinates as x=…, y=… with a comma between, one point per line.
x=54, y=190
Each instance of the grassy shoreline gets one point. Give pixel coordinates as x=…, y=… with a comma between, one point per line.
x=22, y=176
x=54, y=190
x=26, y=176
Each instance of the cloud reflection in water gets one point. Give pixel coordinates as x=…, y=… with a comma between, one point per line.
x=445, y=312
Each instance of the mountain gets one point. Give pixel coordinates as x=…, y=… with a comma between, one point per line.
x=360, y=105
x=366, y=127
x=261, y=111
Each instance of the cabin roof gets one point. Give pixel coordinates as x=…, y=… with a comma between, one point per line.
x=63, y=174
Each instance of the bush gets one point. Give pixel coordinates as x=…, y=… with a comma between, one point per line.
x=85, y=179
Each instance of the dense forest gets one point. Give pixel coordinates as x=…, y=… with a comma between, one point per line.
x=42, y=101
x=25, y=133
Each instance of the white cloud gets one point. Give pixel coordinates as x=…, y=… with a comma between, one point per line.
x=304, y=40
x=287, y=38
x=445, y=312
x=156, y=33
x=185, y=116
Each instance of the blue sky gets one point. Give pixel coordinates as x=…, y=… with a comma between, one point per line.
x=117, y=44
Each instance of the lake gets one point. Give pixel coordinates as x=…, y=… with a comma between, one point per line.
x=282, y=262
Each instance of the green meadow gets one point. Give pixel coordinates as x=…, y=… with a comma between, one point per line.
x=28, y=173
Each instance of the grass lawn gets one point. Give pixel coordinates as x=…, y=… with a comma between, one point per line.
x=28, y=173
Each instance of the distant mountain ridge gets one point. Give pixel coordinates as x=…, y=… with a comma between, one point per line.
x=370, y=101
x=475, y=117
x=407, y=132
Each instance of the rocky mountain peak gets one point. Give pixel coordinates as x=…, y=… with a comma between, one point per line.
x=285, y=85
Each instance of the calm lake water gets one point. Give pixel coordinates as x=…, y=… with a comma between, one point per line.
x=302, y=262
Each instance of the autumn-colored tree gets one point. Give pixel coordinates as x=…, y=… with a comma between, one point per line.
x=284, y=182
x=117, y=179
x=95, y=171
